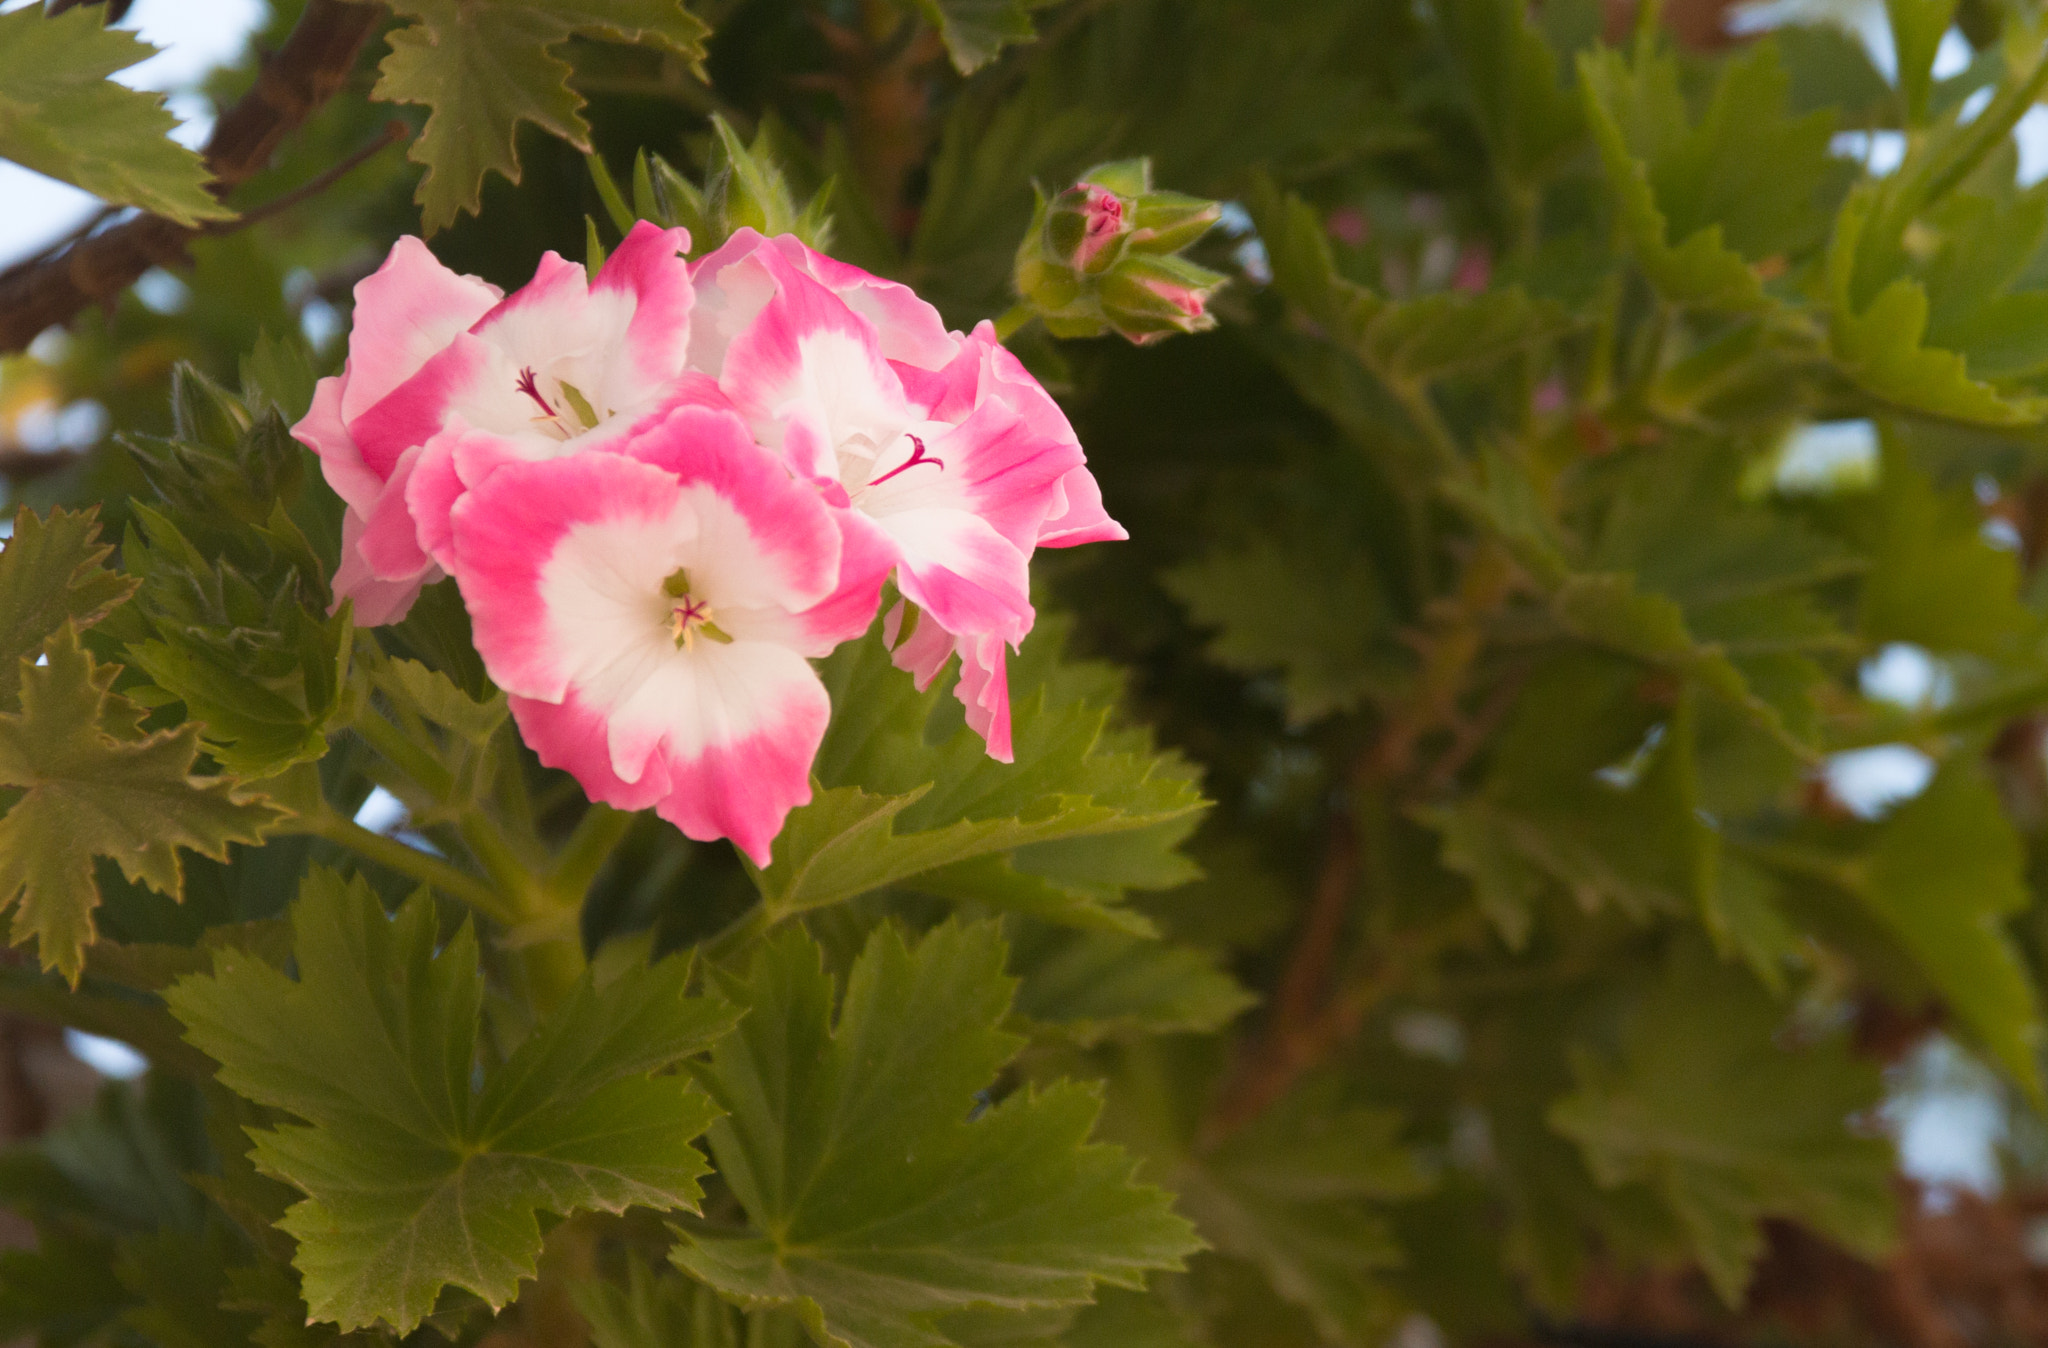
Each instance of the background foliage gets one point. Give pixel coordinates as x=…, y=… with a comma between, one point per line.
x=1429, y=900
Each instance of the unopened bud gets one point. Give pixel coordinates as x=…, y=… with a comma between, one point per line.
x=1102, y=256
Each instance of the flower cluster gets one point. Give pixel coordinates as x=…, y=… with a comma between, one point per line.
x=663, y=490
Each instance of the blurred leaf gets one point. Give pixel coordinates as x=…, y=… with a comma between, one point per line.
x=1678, y=1110
x=975, y=30
x=60, y=115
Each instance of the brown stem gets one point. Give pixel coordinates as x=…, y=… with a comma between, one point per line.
x=1306, y=1023
x=394, y=131
x=303, y=74
x=886, y=100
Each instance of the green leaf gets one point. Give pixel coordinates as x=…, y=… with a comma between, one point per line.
x=61, y=115
x=484, y=69
x=1593, y=786
x=1679, y=1110
x=1947, y=872
x=1632, y=114
x=1880, y=349
x=419, y=1172
x=878, y=1204
x=1933, y=579
x=237, y=643
x=51, y=572
x=1091, y=985
x=1511, y=74
x=1408, y=341
x=1301, y=1193
x=893, y=805
x=975, y=30
x=1123, y=1319
x=94, y=785
x=1312, y=607
x=1917, y=28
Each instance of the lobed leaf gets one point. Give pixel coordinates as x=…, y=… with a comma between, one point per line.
x=60, y=115
x=419, y=1172
x=94, y=785
x=878, y=1202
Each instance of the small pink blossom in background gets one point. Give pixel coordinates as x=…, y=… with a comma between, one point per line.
x=1348, y=226
x=1475, y=269
x=662, y=492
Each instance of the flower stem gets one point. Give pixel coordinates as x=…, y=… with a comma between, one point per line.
x=394, y=855
x=599, y=831
x=1013, y=320
x=388, y=740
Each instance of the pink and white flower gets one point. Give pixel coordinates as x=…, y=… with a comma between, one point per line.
x=942, y=447
x=652, y=612
x=438, y=361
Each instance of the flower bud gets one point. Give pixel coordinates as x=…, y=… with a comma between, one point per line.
x=1102, y=256
x=1148, y=297
x=1083, y=225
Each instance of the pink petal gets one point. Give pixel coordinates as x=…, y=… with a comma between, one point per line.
x=961, y=571
x=736, y=728
x=506, y=532
x=992, y=465
x=390, y=541
x=1082, y=519
x=415, y=411
x=648, y=267
x=909, y=329
x=571, y=735
x=323, y=431
x=768, y=540
x=377, y=602
x=732, y=289
x=407, y=310
x=805, y=347
x=984, y=690
x=924, y=653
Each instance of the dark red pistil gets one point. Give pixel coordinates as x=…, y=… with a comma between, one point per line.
x=916, y=458
x=531, y=388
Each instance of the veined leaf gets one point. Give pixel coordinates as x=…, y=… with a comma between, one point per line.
x=417, y=1174
x=61, y=115
x=94, y=785
x=51, y=572
x=894, y=806
x=877, y=1204
x=482, y=69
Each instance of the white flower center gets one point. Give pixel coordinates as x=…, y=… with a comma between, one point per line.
x=689, y=616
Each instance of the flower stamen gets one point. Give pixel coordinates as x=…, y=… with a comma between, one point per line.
x=688, y=616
